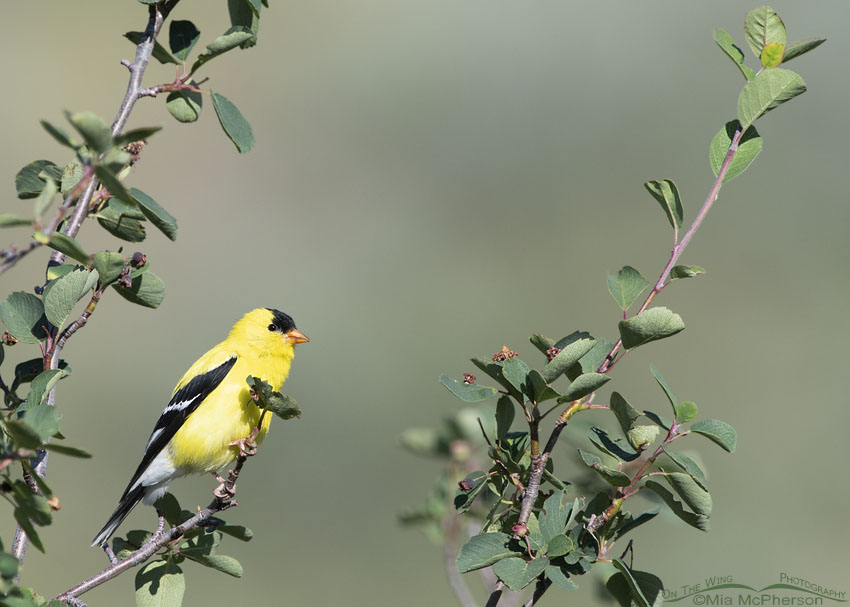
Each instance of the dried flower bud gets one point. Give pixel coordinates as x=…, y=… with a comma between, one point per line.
x=552, y=352
x=504, y=354
x=466, y=484
x=135, y=149
x=54, y=504
x=8, y=339
x=138, y=260
x=468, y=378
x=38, y=289
x=125, y=281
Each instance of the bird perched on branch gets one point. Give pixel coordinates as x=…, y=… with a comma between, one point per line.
x=211, y=409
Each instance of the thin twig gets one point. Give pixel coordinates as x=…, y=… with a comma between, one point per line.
x=162, y=538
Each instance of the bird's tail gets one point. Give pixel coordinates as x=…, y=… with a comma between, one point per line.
x=125, y=506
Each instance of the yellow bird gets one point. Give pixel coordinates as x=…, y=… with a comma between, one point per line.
x=211, y=408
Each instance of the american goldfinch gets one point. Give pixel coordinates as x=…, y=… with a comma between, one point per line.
x=211, y=408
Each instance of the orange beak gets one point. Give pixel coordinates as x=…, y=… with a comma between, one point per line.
x=295, y=337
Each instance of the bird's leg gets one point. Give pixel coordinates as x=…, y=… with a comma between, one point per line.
x=218, y=477
x=109, y=553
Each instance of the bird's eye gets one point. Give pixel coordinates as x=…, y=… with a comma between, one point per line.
x=272, y=327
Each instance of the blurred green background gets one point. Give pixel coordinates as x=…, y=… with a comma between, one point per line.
x=433, y=180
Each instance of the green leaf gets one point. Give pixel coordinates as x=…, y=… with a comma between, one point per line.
x=61, y=295
x=64, y=244
x=238, y=531
x=697, y=521
x=749, y=147
x=483, y=550
x=160, y=584
x=66, y=450
x=60, y=135
x=768, y=90
x=93, y=129
x=159, y=52
x=71, y=175
x=634, y=523
x=184, y=105
x=559, y=546
x=795, y=49
x=645, y=589
x=42, y=418
x=616, y=448
x=45, y=199
x=623, y=411
x=725, y=42
x=771, y=55
x=24, y=435
x=688, y=465
x=115, y=160
x=281, y=405
x=720, y=432
x=135, y=135
x=504, y=416
x=162, y=219
x=540, y=390
x=229, y=40
x=658, y=419
x=625, y=286
x=233, y=123
x=182, y=36
x=23, y=315
x=569, y=355
x=554, y=518
x=696, y=497
x=121, y=225
x=686, y=411
x=560, y=576
x=541, y=342
x=592, y=360
x=245, y=13
x=8, y=566
x=686, y=272
x=516, y=372
x=763, y=26
x=28, y=181
x=583, y=385
x=470, y=393
x=518, y=573
x=614, y=477
x=115, y=187
x=147, y=290
x=10, y=220
x=464, y=499
x=650, y=325
x=25, y=523
x=220, y=562
x=667, y=195
x=664, y=386
x=640, y=437
x=109, y=266
x=41, y=385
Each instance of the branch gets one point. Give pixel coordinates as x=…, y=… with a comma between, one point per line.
x=680, y=246
x=224, y=499
x=156, y=17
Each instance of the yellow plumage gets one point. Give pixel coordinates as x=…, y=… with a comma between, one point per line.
x=211, y=407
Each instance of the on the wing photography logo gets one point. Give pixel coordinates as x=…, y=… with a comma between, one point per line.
x=789, y=591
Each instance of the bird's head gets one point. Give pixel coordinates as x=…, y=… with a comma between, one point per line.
x=270, y=331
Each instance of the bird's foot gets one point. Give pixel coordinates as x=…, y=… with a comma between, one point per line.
x=247, y=446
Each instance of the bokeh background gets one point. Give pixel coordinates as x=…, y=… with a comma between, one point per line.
x=432, y=180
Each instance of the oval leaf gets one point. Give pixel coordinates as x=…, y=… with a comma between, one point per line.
x=483, y=550
x=720, y=432
x=749, y=147
x=162, y=219
x=61, y=295
x=768, y=90
x=762, y=26
x=667, y=195
x=625, y=286
x=23, y=315
x=650, y=325
x=233, y=123
x=185, y=106
x=471, y=393
x=147, y=290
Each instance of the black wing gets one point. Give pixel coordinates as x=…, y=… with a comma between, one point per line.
x=181, y=406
